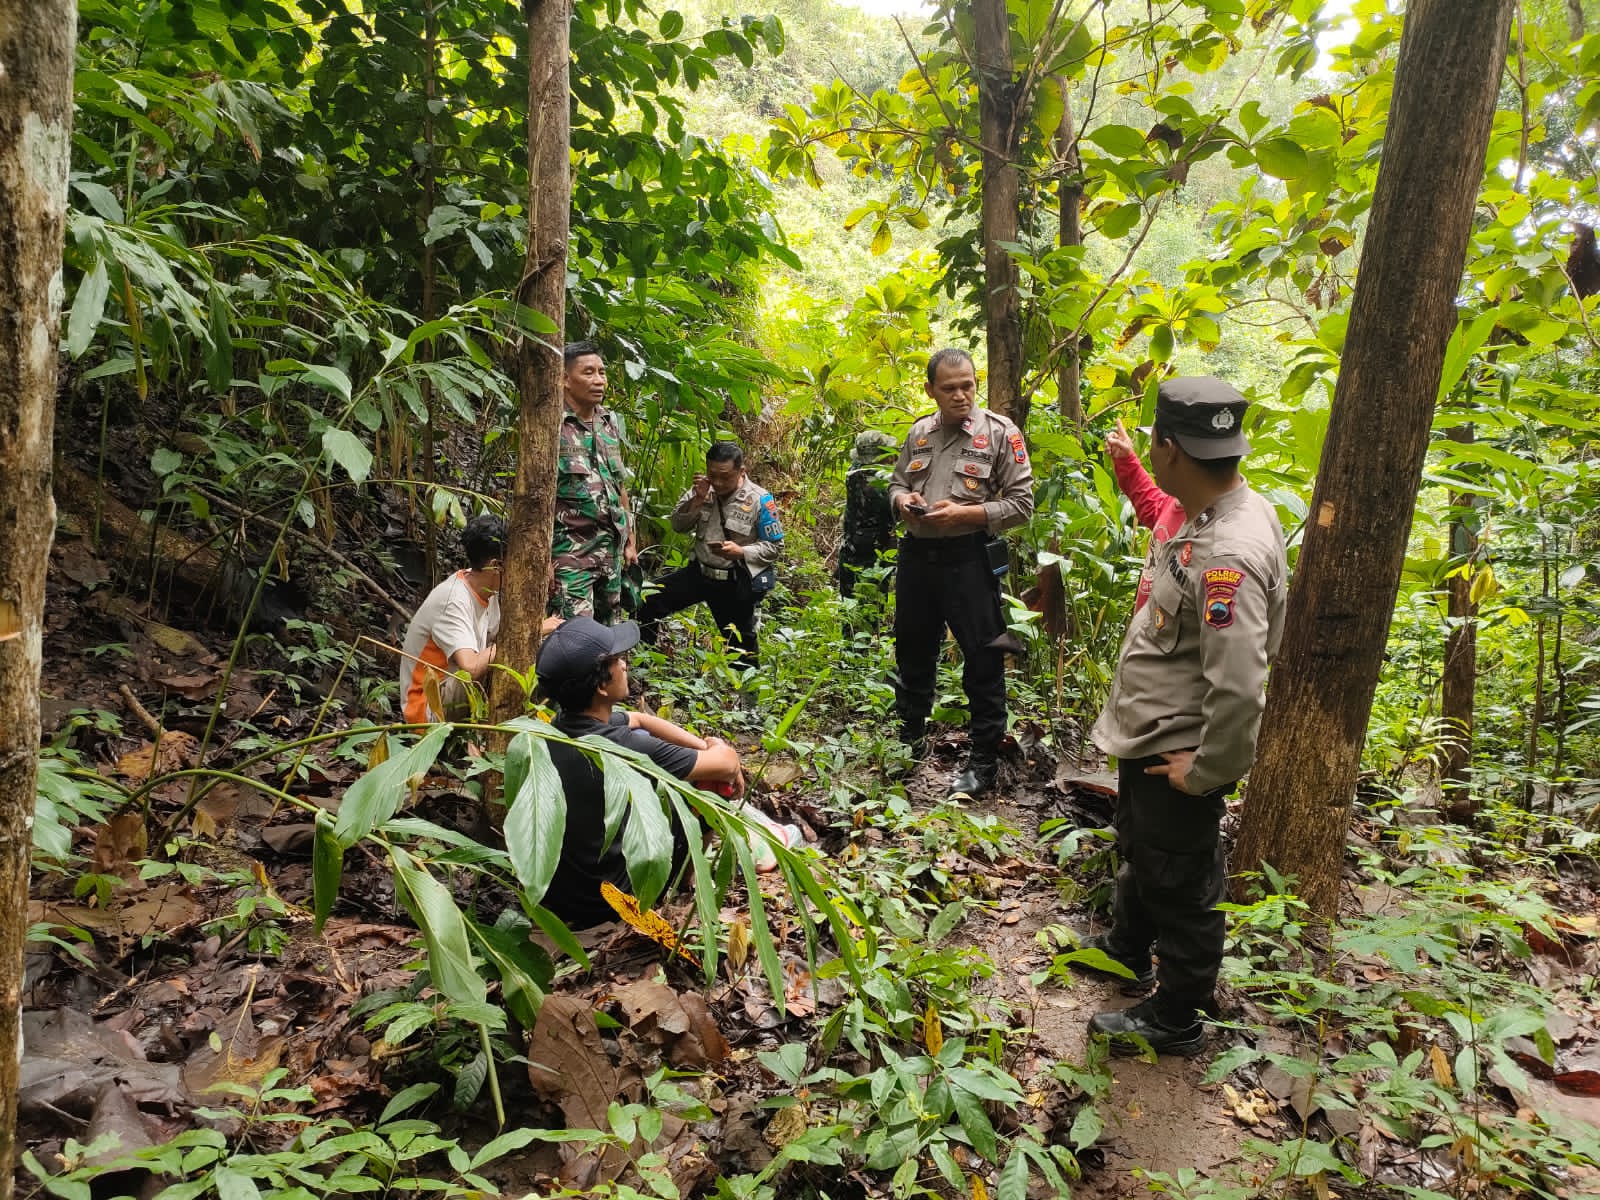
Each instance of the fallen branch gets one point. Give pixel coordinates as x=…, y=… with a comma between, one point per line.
x=140, y=711
x=261, y=519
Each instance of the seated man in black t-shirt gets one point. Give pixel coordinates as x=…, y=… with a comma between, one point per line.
x=582, y=668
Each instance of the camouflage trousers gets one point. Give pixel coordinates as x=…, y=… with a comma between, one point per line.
x=588, y=581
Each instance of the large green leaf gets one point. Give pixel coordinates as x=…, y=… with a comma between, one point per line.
x=1013, y=1181
x=707, y=903
x=349, y=451
x=536, y=820
x=377, y=795
x=443, y=928
x=1124, y=141
x=219, y=346
x=625, y=788
x=525, y=971
x=647, y=846
x=327, y=867
x=760, y=930
x=975, y=1122
x=87, y=308
x=1282, y=158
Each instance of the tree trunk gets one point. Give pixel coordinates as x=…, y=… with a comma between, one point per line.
x=430, y=272
x=1069, y=399
x=36, y=47
x=1575, y=18
x=1342, y=598
x=1536, y=716
x=543, y=289
x=1460, y=683
x=1002, y=300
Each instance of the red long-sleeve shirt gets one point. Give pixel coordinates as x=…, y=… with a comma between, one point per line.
x=1158, y=512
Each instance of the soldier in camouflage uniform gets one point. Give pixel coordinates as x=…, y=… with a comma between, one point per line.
x=594, y=535
x=868, y=519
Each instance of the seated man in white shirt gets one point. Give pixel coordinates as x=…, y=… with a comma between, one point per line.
x=455, y=627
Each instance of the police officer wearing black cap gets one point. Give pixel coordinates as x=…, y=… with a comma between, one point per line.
x=1183, y=714
x=962, y=479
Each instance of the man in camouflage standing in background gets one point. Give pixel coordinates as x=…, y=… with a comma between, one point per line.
x=868, y=520
x=594, y=536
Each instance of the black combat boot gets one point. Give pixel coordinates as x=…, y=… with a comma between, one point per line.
x=1143, y=970
x=1170, y=1027
x=915, y=735
x=978, y=778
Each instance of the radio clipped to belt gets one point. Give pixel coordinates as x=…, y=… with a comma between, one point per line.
x=999, y=555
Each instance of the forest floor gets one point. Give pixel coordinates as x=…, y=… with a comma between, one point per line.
x=184, y=974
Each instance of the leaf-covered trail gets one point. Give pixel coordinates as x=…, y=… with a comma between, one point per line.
x=1156, y=1116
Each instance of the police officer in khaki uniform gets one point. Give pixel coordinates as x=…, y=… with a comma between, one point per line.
x=962, y=479
x=1183, y=714
x=737, y=539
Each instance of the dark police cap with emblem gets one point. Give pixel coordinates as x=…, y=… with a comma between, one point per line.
x=1204, y=415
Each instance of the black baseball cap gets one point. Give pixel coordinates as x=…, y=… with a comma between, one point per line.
x=577, y=646
x=1204, y=414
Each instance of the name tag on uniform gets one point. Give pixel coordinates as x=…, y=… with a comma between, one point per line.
x=1178, y=572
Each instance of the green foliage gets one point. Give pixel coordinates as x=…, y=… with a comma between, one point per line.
x=399, y=1155
x=67, y=795
x=1444, y=977
x=293, y=236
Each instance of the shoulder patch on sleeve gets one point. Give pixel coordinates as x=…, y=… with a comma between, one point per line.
x=1222, y=584
x=768, y=527
x=1019, y=449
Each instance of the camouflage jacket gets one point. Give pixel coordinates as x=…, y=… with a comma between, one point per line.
x=590, y=482
x=868, y=520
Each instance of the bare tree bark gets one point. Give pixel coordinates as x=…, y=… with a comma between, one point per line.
x=1069, y=401
x=1002, y=298
x=1342, y=599
x=36, y=48
x=543, y=289
x=1575, y=18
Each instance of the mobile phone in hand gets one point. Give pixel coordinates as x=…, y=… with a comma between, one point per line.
x=917, y=510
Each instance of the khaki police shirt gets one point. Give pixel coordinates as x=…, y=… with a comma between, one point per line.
x=981, y=461
x=1194, y=660
x=748, y=517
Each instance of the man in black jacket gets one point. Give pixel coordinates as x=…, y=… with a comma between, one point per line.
x=583, y=668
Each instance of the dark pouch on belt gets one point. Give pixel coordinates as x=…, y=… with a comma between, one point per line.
x=764, y=581
x=999, y=555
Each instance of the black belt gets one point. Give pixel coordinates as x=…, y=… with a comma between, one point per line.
x=953, y=549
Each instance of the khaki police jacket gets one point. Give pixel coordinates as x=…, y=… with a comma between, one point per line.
x=748, y=517
x=981, y=461
x=1194, y=660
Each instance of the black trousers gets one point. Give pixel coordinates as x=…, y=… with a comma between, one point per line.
x=1170, y=882
x=940, y=582
x=732, y=602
